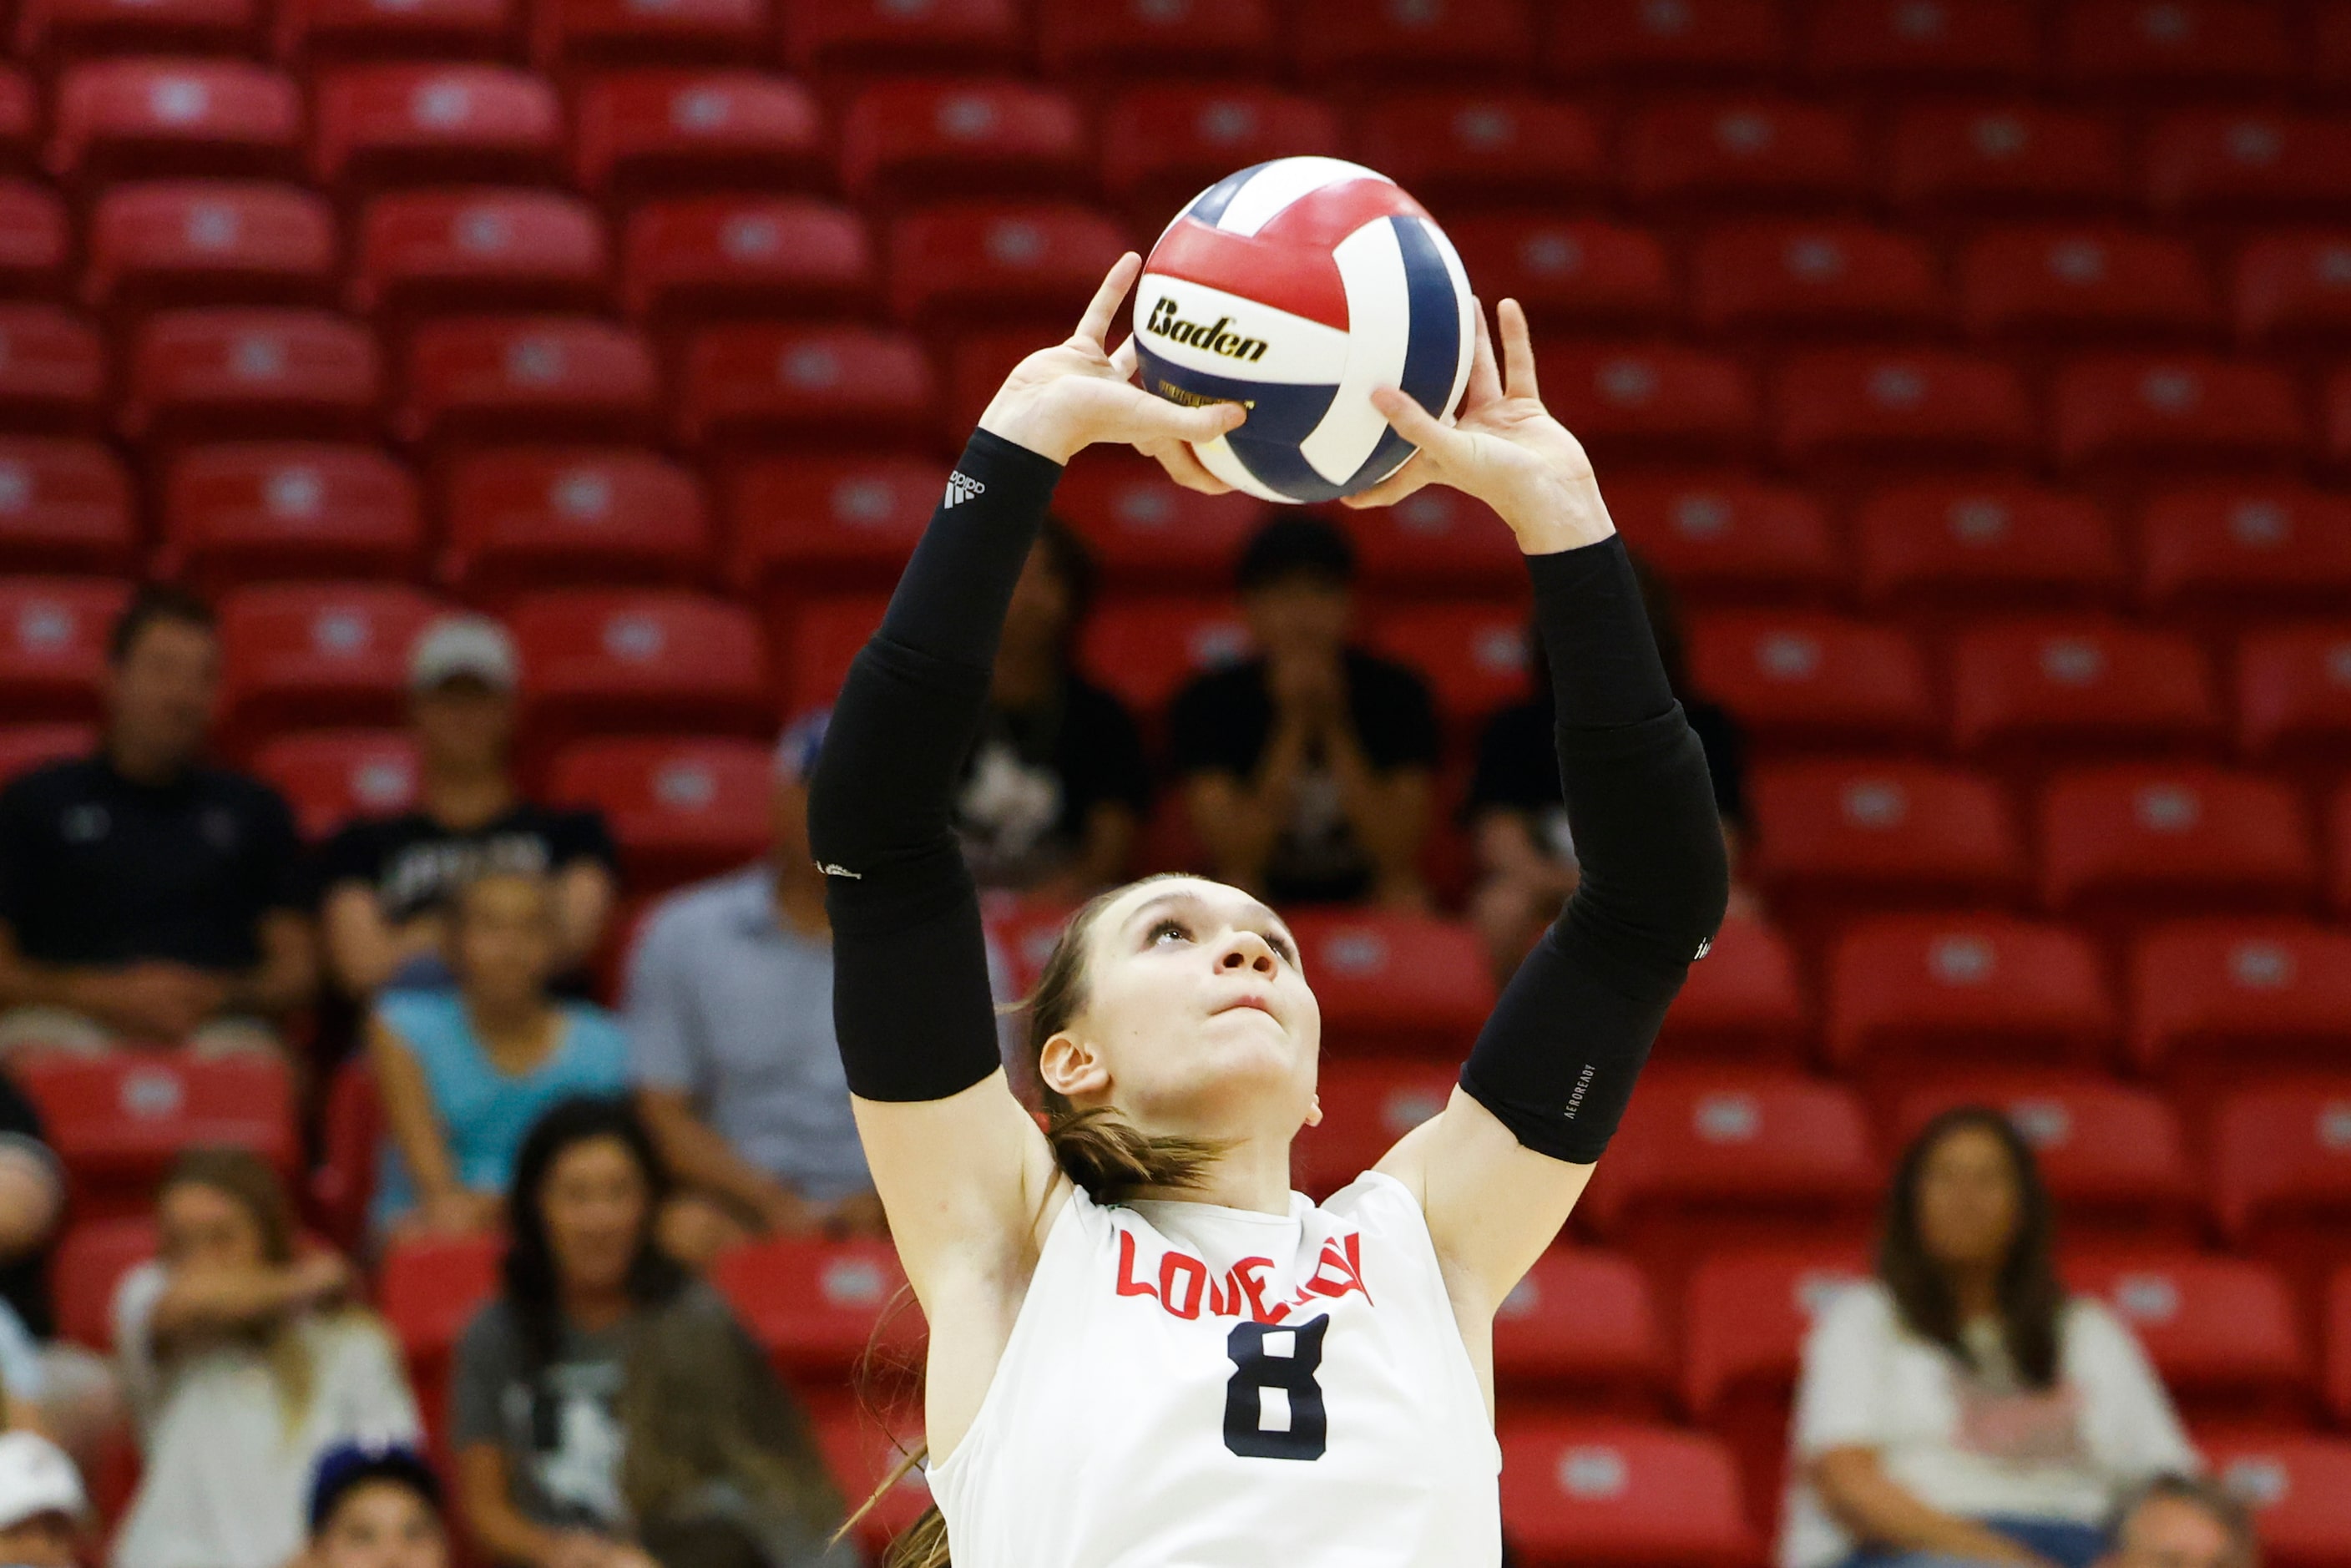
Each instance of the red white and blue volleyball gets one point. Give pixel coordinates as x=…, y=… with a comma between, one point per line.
x=1293, y=287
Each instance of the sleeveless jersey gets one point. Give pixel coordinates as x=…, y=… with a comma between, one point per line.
x=1190, y=1387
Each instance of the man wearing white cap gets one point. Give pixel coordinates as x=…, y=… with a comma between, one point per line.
x=389, y=880
x=42, y=1506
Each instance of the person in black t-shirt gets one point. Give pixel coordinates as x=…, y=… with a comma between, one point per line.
x=1306, y=769
x=1517, y=822
x=390, y=881
x=1056, y=783
x=144, y=897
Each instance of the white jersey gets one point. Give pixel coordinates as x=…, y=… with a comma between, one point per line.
x=1190, y=1387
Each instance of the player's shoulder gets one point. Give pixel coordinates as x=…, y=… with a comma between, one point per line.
x=1378, y=1201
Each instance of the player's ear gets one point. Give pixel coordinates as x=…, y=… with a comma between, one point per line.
x=1314, y=1112
x=1071, y=1068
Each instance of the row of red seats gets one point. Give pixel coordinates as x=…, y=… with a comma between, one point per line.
x=262, y=372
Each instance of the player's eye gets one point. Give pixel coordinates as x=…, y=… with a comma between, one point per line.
x=1281, y=944
x=1170, y=927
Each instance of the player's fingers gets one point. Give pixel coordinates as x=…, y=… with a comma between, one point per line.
x=1416, y=423
x=1416, y=475
x=1153, y=419
x=1518, y=351
x=1485, y=378
x=1184, y=466
x=1093, y=327
x=1125, y=358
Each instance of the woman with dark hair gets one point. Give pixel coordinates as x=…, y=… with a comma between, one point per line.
x=1962, y=1405
x=567, y=1388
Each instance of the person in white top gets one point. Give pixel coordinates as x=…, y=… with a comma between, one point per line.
x=1962, y=1406
x=1146, y=1350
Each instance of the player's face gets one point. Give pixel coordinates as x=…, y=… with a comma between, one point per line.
x=1969, y=1204
x=1197, y=1017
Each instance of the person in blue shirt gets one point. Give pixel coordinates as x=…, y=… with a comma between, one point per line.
x=465, y=1072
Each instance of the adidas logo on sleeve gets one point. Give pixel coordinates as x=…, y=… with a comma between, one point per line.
x=962, y=487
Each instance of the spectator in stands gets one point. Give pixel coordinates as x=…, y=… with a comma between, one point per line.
x=376, y=1508
x=245, y=1362
x=608, y=1410
x=58, y=1388
x=391, y=881
x=1306, y=769
x=1517, y=822
x=465, y=1072
x=42, y=1506
x=146, y=898
x=730, y=1044
x=1962, y=1405
x=1057, y=783
x=2182, y=1521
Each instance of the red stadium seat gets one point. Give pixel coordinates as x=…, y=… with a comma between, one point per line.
x=25, y=747
x=2300, y=1487
x=2137, y=841
x=1579, y=1322
x=421, y=124
x=887, y=36
x=679, y=809
x=90, y=1261
x=1744, y=1001
x=1579, y=1491
x=2049, y=281
x=485, y=378
x=543, y=517
x=608, y=661
x=769, y=381
x=1472, y=655
x=63, y=29
x=1344, y=40
x=1838, y=276
x=2132, y=411
x=860, y=1453
x=1665, y=401
x=1471, y=149
x=2335, y=420
x=53, y=634
x=1794, y=677
x=1145, y=649
x=330, y=776
x=2208, y=163
x=20, y=113
x=700, y=258
x=255, y=511
x=1580, y=271
x=2293, y=692
x=2114, y=1157
x=1218, y=38
x=2338, y=836
x=2015, y=157
x=813, y=1305
x=1909, y=996
x=821, y=524
x=2331, y=42
x=52, y=369
x=35, y=238
x=65, y=506
x=1882, y=833
x=319, y=30
x=2338, y=1345
x=1752, y=151
x=1616, y=40
x=911, y=138
x=197, y=242
x=118, y=1122
x=826, y=635
x=351, y=1142
x=2248, y=547
x=1889, y=41
x=173, y=117
x=2221, y=1331
x=299, y=654
x=1728, y=538
x=1945, y=544
x=428, y=1289
x=1397, y=984
x=2173, y=44
x=2240, y=996
x=2033, y=690
x=619, y=33
x=1163, y=142
x=977, y=365
x=2293, y=288
x=668, y=132
x=2281, y=1173
x=1006, y=264
x=1366, y=1106
x=1435, y=541
x=478, y=249
x=1879, y=407
x=1147, y=531
x=251, y=370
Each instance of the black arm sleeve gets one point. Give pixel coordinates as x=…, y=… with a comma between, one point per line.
x=910, y=1005
x=1557, y=1060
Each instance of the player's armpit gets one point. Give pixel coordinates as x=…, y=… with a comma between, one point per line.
x=1492, y=1204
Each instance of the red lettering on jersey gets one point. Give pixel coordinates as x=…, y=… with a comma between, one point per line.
x=1246, y=1282
x=1128, y=1285
x=1338, y=1271
x=1182, y=1278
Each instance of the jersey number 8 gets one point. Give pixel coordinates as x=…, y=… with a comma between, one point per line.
x=1273, y=1407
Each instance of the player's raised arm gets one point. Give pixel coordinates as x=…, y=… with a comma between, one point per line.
x=1500, y=1168
x=961, y=1168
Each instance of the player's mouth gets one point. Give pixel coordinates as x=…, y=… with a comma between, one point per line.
x=1252, y=1000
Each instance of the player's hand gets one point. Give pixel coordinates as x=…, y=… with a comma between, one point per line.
x=1505, y=448
x=1062, y=400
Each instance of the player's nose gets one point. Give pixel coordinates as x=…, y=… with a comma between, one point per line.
x=1247, y=950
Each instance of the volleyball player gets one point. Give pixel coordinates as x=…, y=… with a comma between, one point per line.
x=1146, y=1350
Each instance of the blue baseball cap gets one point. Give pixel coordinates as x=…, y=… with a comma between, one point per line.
x=348, y=1465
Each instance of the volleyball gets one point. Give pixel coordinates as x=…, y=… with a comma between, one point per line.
x=1293, y=287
